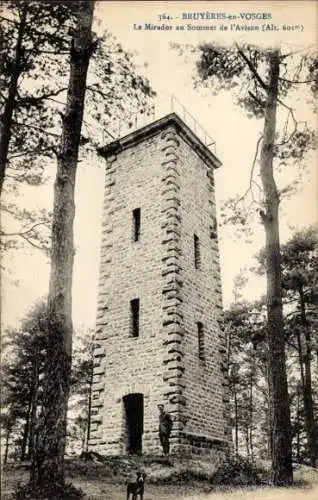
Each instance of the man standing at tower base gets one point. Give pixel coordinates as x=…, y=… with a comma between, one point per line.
x=165, y=426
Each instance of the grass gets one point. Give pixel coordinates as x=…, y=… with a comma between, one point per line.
x=166, y=480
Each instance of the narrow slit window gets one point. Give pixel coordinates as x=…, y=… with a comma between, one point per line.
x=197, y=255
x=201, y=342
x=136, y=224
x=134, y=317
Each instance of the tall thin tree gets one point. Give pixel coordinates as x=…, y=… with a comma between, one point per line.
x=260, y=88
x=279, y=400
x=48, y=458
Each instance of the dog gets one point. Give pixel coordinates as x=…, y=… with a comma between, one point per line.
x=136, y=488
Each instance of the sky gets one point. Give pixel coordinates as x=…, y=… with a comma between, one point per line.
x=27, y=271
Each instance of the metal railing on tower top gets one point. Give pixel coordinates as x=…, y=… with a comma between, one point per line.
x=139, y=120
x=178, y=108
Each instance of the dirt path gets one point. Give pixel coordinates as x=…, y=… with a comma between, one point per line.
x=309, y=491
x=261, y=494
x=97, y=491
x=102, y=490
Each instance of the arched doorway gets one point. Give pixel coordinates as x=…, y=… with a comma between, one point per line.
x=134, y=415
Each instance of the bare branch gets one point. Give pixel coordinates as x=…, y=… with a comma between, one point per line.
x=256, y=99
x=29, y=152
x=27, y=239
x=252, y=68
x=55, y=100
x=51, y=52
x=36, y=128
x=32, y=243
x=254, y=163
x=296, y=81
x=34, y=100
x=22, y=233
x=290, y=113
x=298, y=69
x=296, y=123
x=93, y=88
x=283, y=56
x=252, y=172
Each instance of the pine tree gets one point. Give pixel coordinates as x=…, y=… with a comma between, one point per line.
x=48, y=458
x=262, y=85
x=298, y=270
x=22, y=367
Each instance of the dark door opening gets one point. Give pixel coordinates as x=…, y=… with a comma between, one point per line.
x=134, y=412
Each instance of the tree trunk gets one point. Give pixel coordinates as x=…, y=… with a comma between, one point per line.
x=236, y=421
x=300, y=359
x=7, y=444
x=269, y=426
x=26, y=432
x=298, y=427
x=7, y=115
x=48, y=463
x=251, y=402
x=279, y=400
x=251, y=411
x=307, y=388
x=34, y=402
x=247, y=441
x=83, y=441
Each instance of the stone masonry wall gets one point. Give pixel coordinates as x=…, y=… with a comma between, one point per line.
x=130, y=270
x=206, y=395
x=174, y=189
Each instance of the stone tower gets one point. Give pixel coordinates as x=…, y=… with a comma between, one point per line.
x=157, y=335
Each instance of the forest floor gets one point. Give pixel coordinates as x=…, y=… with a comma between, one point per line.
x=97, y=486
